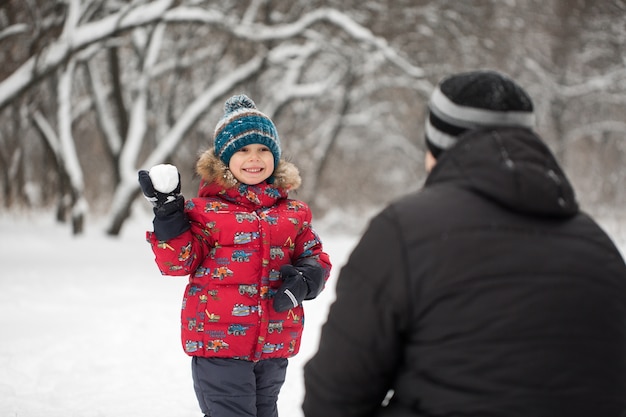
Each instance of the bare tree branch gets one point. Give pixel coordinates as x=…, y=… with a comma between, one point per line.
x=128, y=187
x=262, y=33
x=60, y=50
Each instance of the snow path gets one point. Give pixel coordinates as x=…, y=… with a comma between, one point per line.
x=89, y=328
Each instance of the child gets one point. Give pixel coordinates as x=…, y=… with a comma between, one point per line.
x=251, y=255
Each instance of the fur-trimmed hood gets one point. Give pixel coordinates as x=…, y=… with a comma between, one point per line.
x=211, y=169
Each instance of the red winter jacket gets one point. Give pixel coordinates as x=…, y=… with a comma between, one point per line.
x=240, y=236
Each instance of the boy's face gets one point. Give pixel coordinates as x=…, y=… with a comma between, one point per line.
x=252, y=164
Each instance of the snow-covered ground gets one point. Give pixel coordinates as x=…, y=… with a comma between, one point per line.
x=89, y=328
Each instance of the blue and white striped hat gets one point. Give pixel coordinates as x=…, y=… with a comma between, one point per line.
x=474, y=100
x=241, y=125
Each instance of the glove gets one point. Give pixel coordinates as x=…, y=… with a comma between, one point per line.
x=301, y=282
x=161, y=187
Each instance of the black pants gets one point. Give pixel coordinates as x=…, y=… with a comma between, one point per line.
x=238, y=388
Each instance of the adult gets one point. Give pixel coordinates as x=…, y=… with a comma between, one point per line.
x=486, y=293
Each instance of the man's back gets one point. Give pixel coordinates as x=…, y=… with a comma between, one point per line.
x=511, y=315
x=490, y=295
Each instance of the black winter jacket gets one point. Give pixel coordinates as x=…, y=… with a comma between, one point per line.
x=485, y=294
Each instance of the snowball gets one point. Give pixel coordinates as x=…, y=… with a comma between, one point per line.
x=164, y=177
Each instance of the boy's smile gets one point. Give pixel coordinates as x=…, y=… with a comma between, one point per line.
x=252, y=164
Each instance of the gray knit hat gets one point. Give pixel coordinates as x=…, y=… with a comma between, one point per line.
x=473, y=100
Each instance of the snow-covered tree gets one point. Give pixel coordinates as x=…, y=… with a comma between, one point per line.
x=128, y=54
x=93, y=90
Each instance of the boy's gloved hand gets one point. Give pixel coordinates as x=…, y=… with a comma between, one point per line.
x=161, y=187
x=301, y=282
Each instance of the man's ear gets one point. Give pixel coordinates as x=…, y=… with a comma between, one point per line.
x=429, y=161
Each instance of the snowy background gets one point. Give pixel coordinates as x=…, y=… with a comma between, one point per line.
x=89, y=328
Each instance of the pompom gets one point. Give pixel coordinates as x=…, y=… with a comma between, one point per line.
x=238, y=102
x=164, y=178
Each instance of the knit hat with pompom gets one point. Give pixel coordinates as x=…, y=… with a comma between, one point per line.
x=242, y=125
